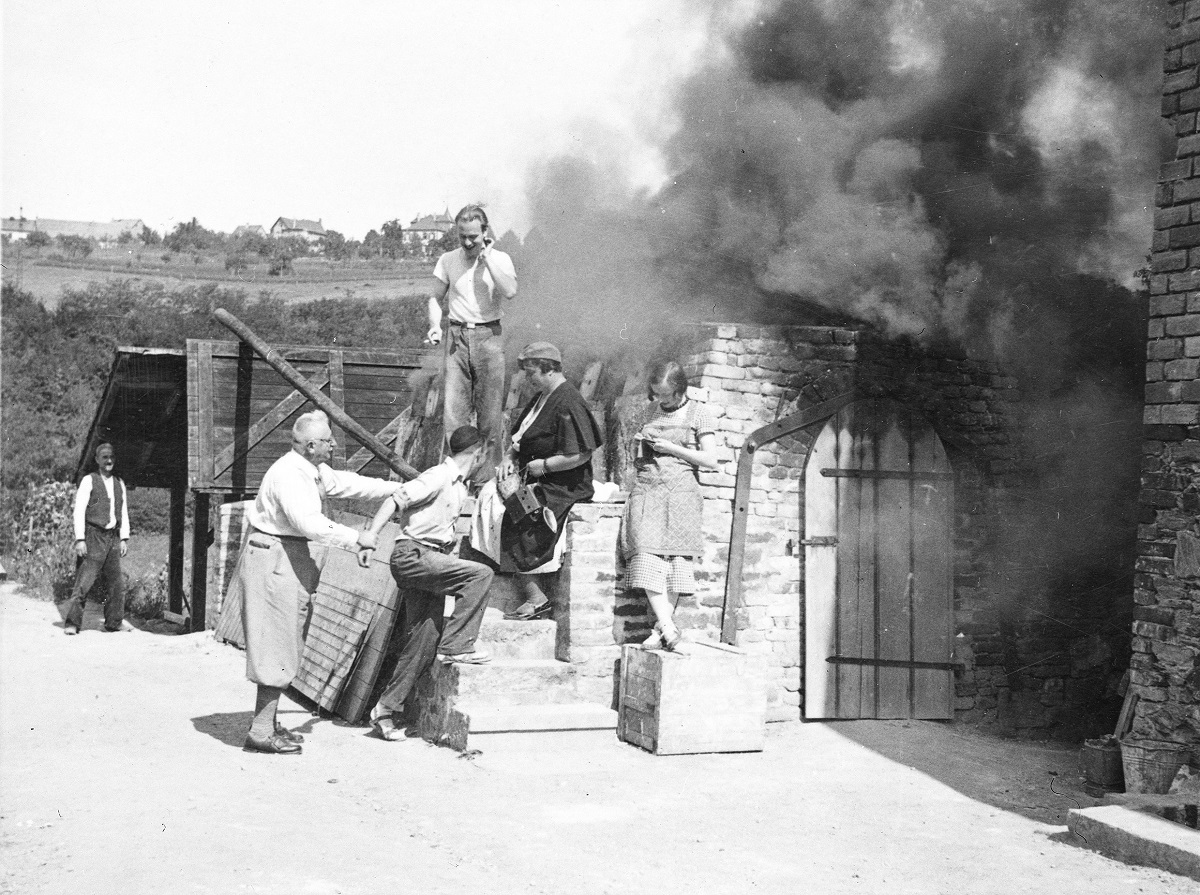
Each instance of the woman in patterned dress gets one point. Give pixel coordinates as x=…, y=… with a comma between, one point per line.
x=661, y=531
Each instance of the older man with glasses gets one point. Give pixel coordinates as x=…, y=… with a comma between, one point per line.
x=277, y=573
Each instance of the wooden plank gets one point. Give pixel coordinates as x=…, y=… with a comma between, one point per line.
x=388, y=433
x=175, y=542
x=894, y=563
x=820, y=578
x=337, y=393
x=403, y=357
x=898, y=474
x=591, y=379
x=266, y=424
x=204, y=378
x=855, y=566
x=932, y=504
x=200, y=529
x=1125, y=719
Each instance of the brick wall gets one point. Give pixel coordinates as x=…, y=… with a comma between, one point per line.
x=1165, y=665
x=1031, y=655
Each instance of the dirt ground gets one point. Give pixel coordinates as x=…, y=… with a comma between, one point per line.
x=122, y=771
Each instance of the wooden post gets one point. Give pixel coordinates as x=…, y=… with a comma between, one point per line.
x=175, y=550
x=200, y=529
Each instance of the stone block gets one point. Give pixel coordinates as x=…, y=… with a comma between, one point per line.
x=1181, y=414
x=1183, y=368
x=1191, y=346
x=1186, y=325
x=1187, y=555
x=1164, y=349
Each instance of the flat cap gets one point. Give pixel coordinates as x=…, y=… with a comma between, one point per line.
x=539, y=351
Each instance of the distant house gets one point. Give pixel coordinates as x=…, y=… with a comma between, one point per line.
x=312, y=231
x=250, y=230
x=17, y=228
x=427, y=229
x=103, y=233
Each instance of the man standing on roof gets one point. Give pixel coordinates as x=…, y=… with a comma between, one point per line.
x=101, y=539
x=277, y=573
x=475, y=277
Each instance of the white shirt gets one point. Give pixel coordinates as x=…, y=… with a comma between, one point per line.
x=472, y=293
x=435, y=499
x=84, y=494
x=289, y=500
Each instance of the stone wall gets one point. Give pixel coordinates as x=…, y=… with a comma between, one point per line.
x=1165, y=666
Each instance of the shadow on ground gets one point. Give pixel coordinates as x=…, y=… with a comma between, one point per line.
x=1040, y=781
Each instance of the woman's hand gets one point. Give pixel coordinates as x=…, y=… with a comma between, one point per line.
x=507, y=467
x=663, y=446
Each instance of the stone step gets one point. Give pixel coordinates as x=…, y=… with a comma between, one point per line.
x=512, y=682
x=516, y=639
x=553, y=716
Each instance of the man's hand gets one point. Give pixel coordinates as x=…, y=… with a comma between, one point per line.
x=434, y=336
x=368, y=539
x=124, y=547
x=364, y=556
x=81, y=549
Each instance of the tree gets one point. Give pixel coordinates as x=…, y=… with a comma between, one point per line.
x=75, y=246
x=149, y=237
x=37, y=239
x=190, y=236
x=236, y=262
x=125, y=238
x=392, y=239
x=333, y=245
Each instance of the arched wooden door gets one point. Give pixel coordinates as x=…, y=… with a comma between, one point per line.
x=878, y=571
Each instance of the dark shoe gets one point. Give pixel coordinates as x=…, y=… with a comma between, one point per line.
x=290, y=735
x=69, y=628
x=272, y=745
x=531, y=611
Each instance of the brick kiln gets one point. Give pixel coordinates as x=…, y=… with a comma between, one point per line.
x=1165, y=666
x=903, y=589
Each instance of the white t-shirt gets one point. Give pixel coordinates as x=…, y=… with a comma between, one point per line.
x=473, y=295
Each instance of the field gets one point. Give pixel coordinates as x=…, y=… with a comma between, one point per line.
x=313, y=278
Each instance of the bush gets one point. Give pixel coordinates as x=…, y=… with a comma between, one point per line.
x=237, y=262
x=39, y=539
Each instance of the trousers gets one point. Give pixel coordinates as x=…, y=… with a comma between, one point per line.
x=278, y=577
x=103, y=555
x=474, y=384
x=426, y=576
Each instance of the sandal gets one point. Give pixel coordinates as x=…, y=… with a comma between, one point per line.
x=671, y=639
x=530, y=611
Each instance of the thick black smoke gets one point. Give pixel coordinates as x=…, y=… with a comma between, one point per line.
x=968, y=172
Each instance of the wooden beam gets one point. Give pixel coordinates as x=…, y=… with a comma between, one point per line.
x=362, y=456
x=741, y=500
x=175, y=550
x=337, y=393
x=201, y=527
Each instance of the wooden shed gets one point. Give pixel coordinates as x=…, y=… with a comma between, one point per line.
x=211, y=419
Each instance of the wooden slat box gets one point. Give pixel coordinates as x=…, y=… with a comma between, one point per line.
x=707, y=697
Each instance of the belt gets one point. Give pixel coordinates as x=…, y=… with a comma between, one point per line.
x=466, y=325
x=267, y=534
x=440, y=548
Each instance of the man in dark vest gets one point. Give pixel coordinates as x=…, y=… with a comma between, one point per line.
x=101, y=539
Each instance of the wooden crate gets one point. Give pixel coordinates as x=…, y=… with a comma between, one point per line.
x=707, y=697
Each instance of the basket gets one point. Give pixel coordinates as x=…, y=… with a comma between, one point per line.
x=1151, y=765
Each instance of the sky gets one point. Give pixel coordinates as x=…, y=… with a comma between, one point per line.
x=353, y=113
